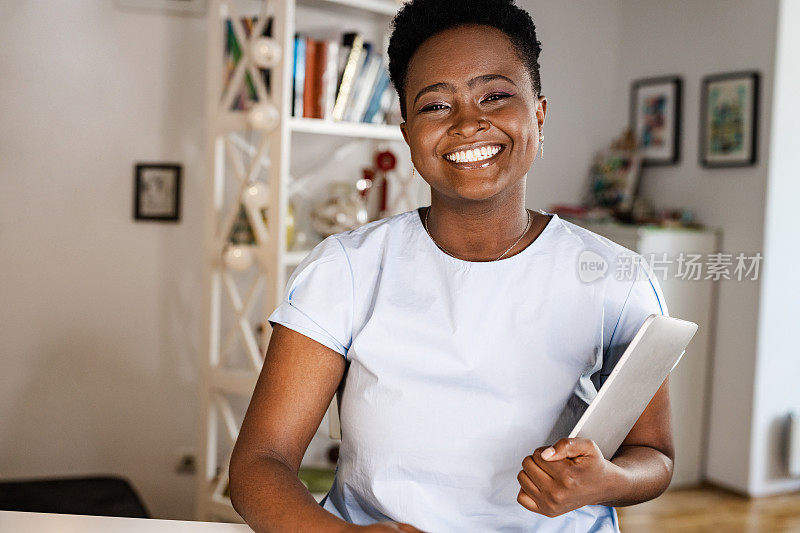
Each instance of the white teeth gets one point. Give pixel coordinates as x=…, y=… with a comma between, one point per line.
x=476, y=154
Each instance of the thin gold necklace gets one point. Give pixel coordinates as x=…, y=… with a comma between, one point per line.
x=428, y=210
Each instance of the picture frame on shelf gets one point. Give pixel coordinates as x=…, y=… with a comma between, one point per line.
x=729, y=119
x=655, y=119
x=157, y=192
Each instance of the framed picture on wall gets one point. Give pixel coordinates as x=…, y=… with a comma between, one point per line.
x=157, y=192
x=728, y=118
x=655, y=116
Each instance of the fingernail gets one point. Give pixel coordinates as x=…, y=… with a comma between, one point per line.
x=547, y=453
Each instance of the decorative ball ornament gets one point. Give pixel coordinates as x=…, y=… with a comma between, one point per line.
x=238, y=257
x=263, y=116
x=385, y=160
x=266, y=52
x=256, y=196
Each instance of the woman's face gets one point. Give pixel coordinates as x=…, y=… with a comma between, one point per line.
x=464, y=86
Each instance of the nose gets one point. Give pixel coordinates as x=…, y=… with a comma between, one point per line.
x=467, y=123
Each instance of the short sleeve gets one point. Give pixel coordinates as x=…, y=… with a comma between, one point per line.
x=318, y=299
x=642, y=298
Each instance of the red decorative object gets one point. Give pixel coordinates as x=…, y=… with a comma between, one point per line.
x=385, y=160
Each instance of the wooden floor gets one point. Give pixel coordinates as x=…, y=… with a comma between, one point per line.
x=709, y=508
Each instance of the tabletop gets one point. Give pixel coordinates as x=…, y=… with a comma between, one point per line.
x=13, y=521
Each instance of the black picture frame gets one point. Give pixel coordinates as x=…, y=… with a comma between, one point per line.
x=732, y=132
x=157, y=192
x=665, y=149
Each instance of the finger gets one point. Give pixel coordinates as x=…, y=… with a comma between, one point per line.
x=546, y=477
x=554, y=469
x=567, y=447
x=528, y=485
x=527, y=502
x=534, y=470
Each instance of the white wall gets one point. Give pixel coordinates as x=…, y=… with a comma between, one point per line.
x=578, y=61
x=776, y=384
x=100, y=320
x=693, y=39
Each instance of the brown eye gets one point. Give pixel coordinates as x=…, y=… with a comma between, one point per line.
x=499, y=95
x=431, y=107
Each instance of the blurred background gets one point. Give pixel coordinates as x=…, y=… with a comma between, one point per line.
x=148, y=146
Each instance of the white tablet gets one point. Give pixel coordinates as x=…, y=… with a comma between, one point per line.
x=649, y=358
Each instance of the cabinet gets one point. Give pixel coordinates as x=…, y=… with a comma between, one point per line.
x=689, y=299
x=259, y=157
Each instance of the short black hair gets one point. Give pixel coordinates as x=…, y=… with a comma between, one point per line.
x=417, y=20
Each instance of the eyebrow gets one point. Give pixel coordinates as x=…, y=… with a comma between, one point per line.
x=471, y=83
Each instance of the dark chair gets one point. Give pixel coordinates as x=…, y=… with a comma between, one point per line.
x=100, y=496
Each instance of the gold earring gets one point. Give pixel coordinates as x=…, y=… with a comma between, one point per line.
x=541, y=145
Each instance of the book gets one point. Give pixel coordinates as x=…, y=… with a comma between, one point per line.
x=364, y=87
x=299, y=74
x=330, y=78
x=377, y=94
x=311, y=89
x=356, y=43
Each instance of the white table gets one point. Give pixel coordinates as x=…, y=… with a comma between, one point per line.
x=14, y=521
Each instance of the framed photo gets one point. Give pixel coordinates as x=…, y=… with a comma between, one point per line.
x=655, y=116
x=157, y=192
x=729, y=114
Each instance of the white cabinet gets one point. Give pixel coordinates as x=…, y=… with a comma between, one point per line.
x=689, y=299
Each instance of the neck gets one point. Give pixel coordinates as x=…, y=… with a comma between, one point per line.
x=479, y=231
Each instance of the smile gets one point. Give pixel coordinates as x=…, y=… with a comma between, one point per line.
x=476, y=158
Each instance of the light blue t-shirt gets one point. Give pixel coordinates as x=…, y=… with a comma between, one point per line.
x=459, y=369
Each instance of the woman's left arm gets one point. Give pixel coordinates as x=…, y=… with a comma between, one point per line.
x=646, y=456
x=576, y=474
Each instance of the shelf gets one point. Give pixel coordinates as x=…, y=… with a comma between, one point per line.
x=237, y=121
x=362, y=130
x=239, y=152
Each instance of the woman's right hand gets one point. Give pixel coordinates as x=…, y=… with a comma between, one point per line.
x=388, y=527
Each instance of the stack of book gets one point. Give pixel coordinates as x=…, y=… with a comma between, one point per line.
x=341, y=79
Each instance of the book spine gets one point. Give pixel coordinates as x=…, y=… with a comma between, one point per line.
x=319, y=71
x=371, y=71
x=377, y=94
x=348, y=77
x=308, y=87
x=360, y=82
x=330, y=78
x=299, y=73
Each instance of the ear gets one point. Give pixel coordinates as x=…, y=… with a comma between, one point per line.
x=541, y=110
x=403, y=127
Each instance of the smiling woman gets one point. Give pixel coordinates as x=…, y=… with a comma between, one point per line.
x=473, y=120
x=460, y=335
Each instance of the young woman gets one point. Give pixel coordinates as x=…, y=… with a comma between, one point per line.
x=463, y=337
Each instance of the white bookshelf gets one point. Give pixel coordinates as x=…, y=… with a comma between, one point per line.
x=297, y=155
